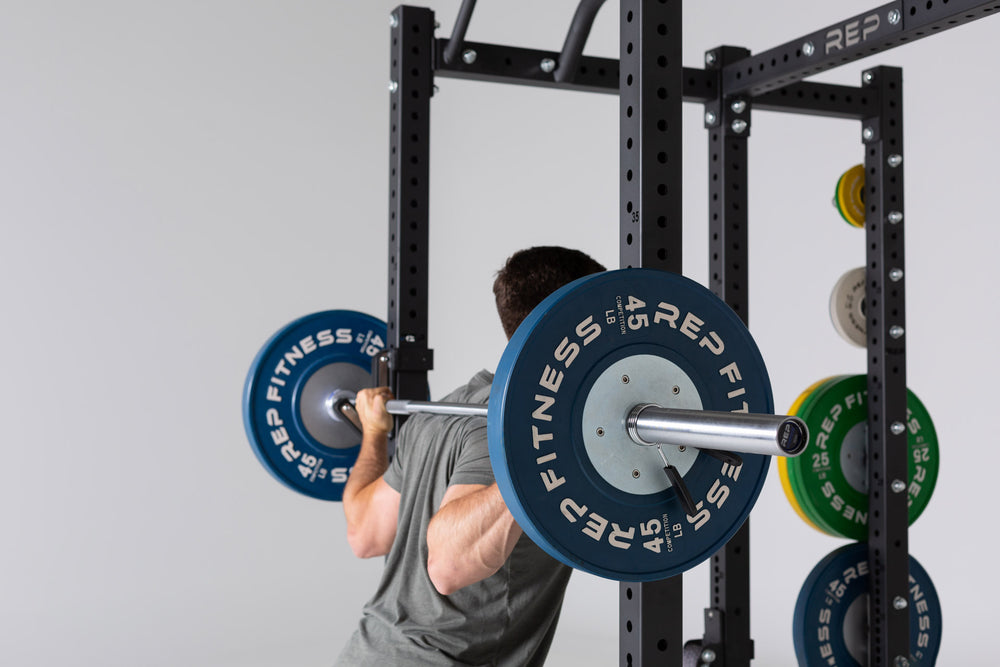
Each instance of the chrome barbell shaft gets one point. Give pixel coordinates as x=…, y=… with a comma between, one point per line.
x=401, y=407
x=345, y=408
x=773, y=435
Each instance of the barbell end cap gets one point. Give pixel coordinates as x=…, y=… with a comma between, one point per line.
x=793, y=436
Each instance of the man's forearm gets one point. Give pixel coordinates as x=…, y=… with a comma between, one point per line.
x=372, y=462
x=371, y=506
x=469, y=539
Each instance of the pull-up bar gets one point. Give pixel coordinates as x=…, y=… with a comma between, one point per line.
x=569, y=58
x=457, y=41
x=579, y=31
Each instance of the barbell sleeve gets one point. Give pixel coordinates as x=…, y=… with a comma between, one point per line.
x=773, y=435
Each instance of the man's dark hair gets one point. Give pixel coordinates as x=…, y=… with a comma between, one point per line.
x=530, y=275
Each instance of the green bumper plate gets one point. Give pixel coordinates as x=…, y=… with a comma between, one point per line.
x=830, y=481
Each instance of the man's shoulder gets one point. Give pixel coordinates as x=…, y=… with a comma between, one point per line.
x=476, y=390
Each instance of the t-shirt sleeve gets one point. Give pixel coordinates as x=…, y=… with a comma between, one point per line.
x=473, y=463
x=393, y=475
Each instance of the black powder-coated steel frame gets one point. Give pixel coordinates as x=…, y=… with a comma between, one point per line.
x=411, y=87
x=888, y=518
x=727, y=119
x=857, y=37
x=652, y=84
x=650, y=235
x=651, y=91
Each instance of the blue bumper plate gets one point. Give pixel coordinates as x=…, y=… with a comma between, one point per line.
x=830, y=625
x=637, y=328
x=292, y=381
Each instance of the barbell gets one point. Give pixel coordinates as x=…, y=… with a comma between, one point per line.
x=613, y=419
x=647, y=424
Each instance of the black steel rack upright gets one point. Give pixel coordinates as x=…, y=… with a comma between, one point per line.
x=652, y=84
x=651, y=231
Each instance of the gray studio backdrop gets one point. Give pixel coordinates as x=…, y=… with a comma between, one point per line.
x=180, y=179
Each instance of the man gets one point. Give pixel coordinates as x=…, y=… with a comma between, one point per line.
x=462, y=584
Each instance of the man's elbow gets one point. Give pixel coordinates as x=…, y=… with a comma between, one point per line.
x=444, y=576
x=449, y=574
x=363, y=546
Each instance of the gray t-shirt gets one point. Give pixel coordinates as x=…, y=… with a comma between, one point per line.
x=507, y=619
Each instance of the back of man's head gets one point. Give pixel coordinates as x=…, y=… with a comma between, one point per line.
x=530, y=275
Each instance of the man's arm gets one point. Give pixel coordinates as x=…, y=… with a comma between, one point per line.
x=370, y=504
x=470, y=536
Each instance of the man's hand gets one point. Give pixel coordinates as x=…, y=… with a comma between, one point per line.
x=370, y=404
